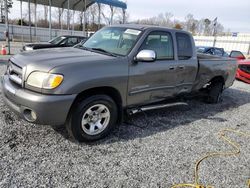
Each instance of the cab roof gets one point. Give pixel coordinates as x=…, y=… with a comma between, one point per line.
x=145, y=27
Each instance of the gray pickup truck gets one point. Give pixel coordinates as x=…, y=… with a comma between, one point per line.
x=120, y=69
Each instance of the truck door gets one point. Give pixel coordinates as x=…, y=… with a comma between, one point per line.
x=153, y=81
x=187, y=64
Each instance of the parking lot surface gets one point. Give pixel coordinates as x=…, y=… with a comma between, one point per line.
x=155, y=149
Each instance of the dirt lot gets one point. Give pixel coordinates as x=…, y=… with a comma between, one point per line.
x=159, y=148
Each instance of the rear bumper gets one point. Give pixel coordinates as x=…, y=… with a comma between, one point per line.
x=243, y=76
x=49, y=109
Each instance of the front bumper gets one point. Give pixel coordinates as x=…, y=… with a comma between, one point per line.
x=49, y=109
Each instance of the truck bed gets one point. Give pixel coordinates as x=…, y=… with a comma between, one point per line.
x=210, y=67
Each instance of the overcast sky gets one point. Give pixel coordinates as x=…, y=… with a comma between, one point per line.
x=233, y=14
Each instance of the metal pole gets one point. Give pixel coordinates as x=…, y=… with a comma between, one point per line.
x=21, y=8
x=36, y=19
x=124, y=15
x=112, y=14
x=1, y=7
x=30, y=21
x=84, y=19
x=99, y=15
x=68, y=17
x=73, y=28
x=215, y=31
x=62, y=20
x=7, y=26
x=248, y=52
x=50, y=24
x=214, y=42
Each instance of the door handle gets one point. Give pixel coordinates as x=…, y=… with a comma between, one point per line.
x=181, y=67
x=171, y=68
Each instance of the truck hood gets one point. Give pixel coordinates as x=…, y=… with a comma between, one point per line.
x=47, y=59
x=40, y=45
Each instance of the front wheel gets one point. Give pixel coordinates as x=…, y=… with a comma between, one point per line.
x=92, y=118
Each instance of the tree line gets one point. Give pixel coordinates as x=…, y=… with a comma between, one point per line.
x=203, y=26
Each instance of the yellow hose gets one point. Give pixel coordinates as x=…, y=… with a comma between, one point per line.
x=235, y=151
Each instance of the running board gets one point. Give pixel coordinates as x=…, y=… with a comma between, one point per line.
x=153, y=107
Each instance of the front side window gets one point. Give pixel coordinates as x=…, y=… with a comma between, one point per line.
x=161, y=43
x=72, y=41
x=118, y=41
x=210, y=51
x=200, y=49
x=184, y=46
x=218, y=52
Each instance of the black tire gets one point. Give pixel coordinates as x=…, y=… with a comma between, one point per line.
x=215, y=92
x=74, y=123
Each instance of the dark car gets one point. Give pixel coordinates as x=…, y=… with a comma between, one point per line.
x=61, y=41
x=212, y=51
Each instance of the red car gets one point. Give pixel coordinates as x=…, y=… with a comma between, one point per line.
x=243, y=72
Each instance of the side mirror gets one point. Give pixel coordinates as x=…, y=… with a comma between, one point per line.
x=146, y=56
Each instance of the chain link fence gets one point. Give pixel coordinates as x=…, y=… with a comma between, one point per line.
x=22, y=33
x=17, y=33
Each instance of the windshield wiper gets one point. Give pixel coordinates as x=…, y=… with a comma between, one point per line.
x=82, y=47
x=95, y=49
x=102, y=50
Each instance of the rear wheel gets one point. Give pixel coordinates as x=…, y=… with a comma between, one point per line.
x=92, y=118
x=215, y=92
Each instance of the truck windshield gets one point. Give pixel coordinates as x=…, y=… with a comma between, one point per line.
x=115, y=40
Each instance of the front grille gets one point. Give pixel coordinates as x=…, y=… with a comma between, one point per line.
x=245, y=68
x=15, y=73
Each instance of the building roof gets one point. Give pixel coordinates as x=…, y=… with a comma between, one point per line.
x=78, y=5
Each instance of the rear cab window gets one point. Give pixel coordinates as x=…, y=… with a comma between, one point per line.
x=184, y=46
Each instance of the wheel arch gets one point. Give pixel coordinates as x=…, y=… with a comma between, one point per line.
x=217, y=79
x=106, y=90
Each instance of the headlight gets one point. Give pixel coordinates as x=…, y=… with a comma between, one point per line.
x=44, y=80
x=28, y=48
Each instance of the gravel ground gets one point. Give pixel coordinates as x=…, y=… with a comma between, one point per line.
x=157, y=149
